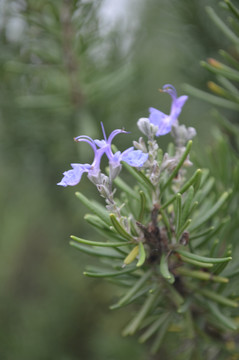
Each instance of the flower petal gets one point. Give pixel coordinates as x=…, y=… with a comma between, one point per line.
x=161, y=120
x=72, y=177
x=135, y=158
x=177, y=106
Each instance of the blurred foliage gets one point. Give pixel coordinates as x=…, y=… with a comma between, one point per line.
x=222, y=157
x=61, y=73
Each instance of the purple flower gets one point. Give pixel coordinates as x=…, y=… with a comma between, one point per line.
x=135, y=158
x=162, y=121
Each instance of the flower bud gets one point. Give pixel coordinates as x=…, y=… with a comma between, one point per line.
x=147, y=128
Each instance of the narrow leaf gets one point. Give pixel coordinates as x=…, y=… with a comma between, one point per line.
x=160, y=336
x=183, y=228
x=119, y=228
x=98, y=243
x=195, y=262
x=222, y=26
x=107, y=253
x=142, y=206
x=229, y=58
x=163, y=268
x=218, y=298
x=203, y=258
x=153, y=328
x=187, y=204
x=232, y=8
x=211, y=212
x=95, y=207
x=132, y=255
x=138, y=285
x=109, y=274
x=141, y=314
x=142, y=255
x=126, y=188
x=215, y=100
x=185, y=187
x=139, y=176
x=223, y=319
x=181, y=161
x=138, y=294
x=178, y=211
x=206, y=232
x=201, y=275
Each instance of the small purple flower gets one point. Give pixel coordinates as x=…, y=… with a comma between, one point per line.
x=162, y=121
x=135, y=158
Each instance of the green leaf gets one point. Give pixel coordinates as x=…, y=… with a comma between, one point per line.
x=183, y=228
x=163, y=268
x=95, y=207
x=201, y=275
x=218, y=298
x=154, y=327
x=215, y=100
x=132, y=255
x=203, y=258
x=138, y=294
x=119, y=228
x=229, y=58
x=141, y=314
x=234, y=10
x=215, y=231
x=142, y=206
x=207, y=187
x=218, y=268
x=219, y=68
x=178, y=211
x=195, y=262
x=230, y=87
x=160, y=336
x=206, y=232
x=223, y=319
x=222, y=26
x=126, y=188
x=139, y=176
x=107, y=253
x=187, y=204
x=100, y=226
x=186, y=186
x=109, y=274
x=211, y=212
x=175, y=171
x=97, y=243
x=138, y=285
x=142, y=255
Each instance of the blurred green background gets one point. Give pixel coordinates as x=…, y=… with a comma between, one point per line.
x=65, y=66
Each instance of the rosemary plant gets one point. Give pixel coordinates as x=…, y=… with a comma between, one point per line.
x=162, y=239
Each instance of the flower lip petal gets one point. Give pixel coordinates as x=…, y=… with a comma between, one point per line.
x=72, y=177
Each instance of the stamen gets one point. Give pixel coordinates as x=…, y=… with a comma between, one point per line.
x=103, y=131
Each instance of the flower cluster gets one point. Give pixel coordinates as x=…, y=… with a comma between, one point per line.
x=157, y=124
x=135, y=158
